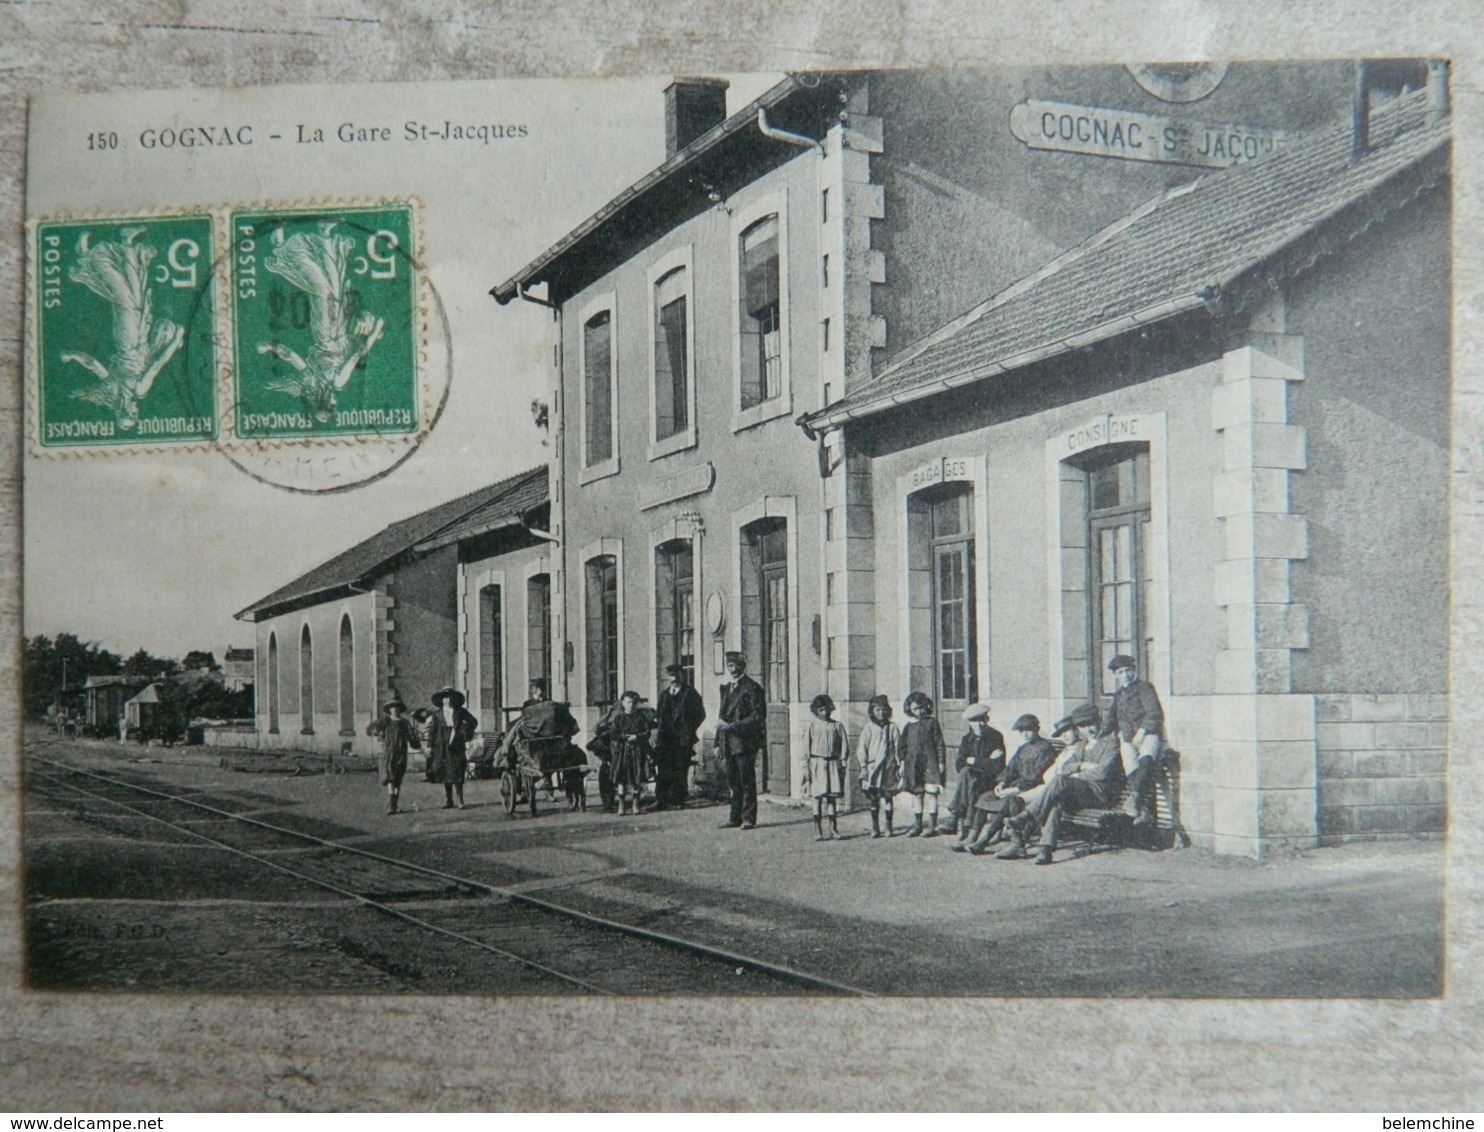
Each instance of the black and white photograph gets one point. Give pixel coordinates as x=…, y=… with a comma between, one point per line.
x=964, y=537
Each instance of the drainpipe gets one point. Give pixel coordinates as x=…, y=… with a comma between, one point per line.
x=520, y=289
x=530, y=530
x=788, y=136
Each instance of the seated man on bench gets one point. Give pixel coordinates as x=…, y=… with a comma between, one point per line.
x=1090, y=774
x=1137, y=719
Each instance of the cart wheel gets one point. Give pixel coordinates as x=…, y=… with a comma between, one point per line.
x=508, y=792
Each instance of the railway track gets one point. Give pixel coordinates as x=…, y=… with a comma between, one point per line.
x=546, y=946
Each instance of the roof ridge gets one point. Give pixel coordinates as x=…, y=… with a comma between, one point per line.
x=400, y=535
x=1324, y=135
x=1265, y=205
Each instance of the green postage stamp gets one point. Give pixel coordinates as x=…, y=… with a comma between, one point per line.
x=126, y=344
x=325, y=322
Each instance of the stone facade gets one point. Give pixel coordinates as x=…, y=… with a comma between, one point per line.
x=1383, y=763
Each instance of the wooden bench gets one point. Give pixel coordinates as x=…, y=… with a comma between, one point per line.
x=1113, y=827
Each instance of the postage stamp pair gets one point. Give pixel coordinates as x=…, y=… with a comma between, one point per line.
x=253, y=325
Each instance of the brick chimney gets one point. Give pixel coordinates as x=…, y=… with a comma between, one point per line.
x=692, y=106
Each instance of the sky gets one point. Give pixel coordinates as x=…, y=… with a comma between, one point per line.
x=133, y=549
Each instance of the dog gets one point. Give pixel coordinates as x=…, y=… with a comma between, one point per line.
x=574, y=786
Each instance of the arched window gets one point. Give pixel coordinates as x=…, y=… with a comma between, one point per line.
x=347, y=677
x=272, y=683
x=306, y=683
x=491, y=654
x=597, y=389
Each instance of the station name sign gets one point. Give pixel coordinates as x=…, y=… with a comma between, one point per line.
x=1068, y=128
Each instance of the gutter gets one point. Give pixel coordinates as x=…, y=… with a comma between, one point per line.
x=826, y=420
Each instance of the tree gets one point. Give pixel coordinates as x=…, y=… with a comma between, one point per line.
x=143, y=666
x=198, y=661
x=202, y=695
x=50, y=666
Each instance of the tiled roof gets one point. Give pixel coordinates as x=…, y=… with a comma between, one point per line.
x=526, y=490
x=502, y=511
x=1181, y=250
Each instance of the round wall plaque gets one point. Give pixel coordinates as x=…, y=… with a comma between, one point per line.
x=716, y=613
x=1178, y=82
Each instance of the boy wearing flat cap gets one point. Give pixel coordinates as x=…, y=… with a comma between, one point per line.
x=1138, y=719
x=981, y=758
x=1088, y=774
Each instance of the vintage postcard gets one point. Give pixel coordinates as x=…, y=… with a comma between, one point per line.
x=974, y=532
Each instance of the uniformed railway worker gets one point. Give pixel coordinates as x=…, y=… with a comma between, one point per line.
x=740, y=737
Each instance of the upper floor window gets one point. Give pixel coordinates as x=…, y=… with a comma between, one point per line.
x=761, y=316
x=597, y=389
x=671, y=355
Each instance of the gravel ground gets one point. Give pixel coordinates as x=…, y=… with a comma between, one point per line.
x=119, y=901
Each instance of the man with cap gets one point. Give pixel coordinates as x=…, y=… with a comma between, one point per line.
x=397, y=734
x=1089, y=773
x=681, y=714
x=740, y=736
x=453, y=728
x=1024, y=772
x=1138, y=719
x=981, y=758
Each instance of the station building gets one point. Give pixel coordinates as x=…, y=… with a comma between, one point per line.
x=425, y=603
x=1101, y=360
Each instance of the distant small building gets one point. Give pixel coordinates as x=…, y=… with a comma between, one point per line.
x=147, y=715
x=238, y=668
x=106, y=696
x=385, y=617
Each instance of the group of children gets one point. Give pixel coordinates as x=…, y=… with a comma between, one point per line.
x=912, y=761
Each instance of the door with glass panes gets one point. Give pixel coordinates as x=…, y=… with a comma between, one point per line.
x=941, y=526
x=1118, y=582
x=765, y=638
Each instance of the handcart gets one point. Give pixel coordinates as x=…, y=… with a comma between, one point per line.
x=536, y=745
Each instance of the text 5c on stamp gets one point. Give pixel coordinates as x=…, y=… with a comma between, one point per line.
x=126, y=349
x=326, y=322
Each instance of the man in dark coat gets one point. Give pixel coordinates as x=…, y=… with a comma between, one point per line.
x=740, y=737
x=681, y=714
x=1137, y=718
